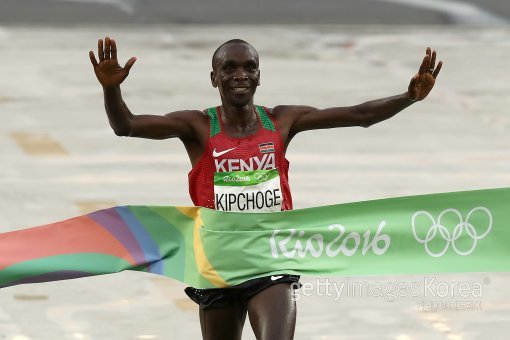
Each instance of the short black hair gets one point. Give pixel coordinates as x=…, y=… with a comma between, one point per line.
x=231, y=42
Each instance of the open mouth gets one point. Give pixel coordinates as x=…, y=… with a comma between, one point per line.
x=240, y=90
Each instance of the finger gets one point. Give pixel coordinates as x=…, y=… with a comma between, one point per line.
x=129, y=64
x=428, y=52
x=93, y=59
x=438, y=68
x=432, y=62
x=107, y=48
x=114, y=49
x=424, y=65
x=100, y=51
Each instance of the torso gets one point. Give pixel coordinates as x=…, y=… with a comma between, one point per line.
x=247, y=173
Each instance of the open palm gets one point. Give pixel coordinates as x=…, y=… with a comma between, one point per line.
x=108, y=71
x=423, y=82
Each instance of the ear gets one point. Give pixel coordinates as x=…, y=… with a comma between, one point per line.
x=213, y=82
x=258, y=79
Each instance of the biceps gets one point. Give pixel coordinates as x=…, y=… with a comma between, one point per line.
x=159, y=127
x=328, y=118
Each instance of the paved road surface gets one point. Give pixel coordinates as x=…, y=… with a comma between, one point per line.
x=60, y=159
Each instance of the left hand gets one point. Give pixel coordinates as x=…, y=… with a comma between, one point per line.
x=423, y=82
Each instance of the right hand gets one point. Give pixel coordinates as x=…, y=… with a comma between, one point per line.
x=108, y=71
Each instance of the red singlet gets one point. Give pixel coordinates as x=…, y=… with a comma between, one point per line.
x=247, y=174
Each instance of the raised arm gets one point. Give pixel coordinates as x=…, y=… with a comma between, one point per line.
x=295, y=119
x=110, y=75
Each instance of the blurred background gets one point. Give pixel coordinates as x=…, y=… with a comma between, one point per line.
x=371, y=12
x=59, y=158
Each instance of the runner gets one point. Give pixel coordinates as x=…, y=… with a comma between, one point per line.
x=237, y=153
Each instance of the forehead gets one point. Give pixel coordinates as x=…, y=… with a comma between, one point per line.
x=236, y=53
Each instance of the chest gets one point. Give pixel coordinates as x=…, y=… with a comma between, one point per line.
x=248, y=154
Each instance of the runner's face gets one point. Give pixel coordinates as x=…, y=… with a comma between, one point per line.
x=236, y=73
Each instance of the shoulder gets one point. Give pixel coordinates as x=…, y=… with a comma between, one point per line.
x=290, y=110
x=288, y=114
x=197, y=121
x=188, y=115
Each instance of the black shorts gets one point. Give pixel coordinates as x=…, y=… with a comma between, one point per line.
x=222, y=297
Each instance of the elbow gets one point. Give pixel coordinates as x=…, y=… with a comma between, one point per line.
x=366, y=121
x=121, y=131
x=366, y=124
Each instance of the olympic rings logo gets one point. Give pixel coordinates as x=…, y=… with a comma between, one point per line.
x=261, y=177
x=463, y=227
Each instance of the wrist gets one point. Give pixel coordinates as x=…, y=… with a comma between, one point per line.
x=409, y=98
x=111, y=88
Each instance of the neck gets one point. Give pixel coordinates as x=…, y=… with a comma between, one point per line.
x=238, y=117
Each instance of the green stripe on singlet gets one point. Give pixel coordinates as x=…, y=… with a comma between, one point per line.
x=214, y=123
x=267, y=123
x=215, y=127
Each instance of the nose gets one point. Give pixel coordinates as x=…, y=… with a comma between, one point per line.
x=240, y=75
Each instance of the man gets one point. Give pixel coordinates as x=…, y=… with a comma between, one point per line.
x=237, y=152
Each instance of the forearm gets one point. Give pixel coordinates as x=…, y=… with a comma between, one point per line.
x=376, y=111
x=118, y=113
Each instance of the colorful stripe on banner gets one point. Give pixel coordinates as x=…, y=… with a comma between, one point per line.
x=451, y=232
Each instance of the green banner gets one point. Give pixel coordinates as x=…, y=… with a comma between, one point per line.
x=451, y=232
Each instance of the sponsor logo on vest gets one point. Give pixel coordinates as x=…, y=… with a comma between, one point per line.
x=289, y=242
x=437, y=230
x=266, y=162
x=219, y=153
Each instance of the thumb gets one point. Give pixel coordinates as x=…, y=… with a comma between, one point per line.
x=413, y=81
x=411, y=90
x=129, y=64
x=93, y=59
